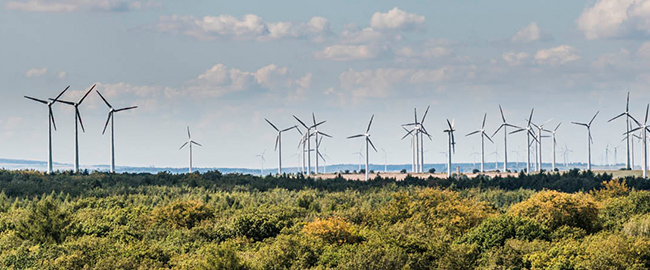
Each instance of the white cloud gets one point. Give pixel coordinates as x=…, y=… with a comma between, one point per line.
x=396, y=19
x=615, y=18
x=248, y=27
x=220, y=80
x=557, y=55
x=435, y=52
x=352, y=35
x=35, y=72
x=514, y=58
x=65, y=6
x=347, y=52
x=381, y=83
x=528, y=34
x=617, y=59
x=62, y=75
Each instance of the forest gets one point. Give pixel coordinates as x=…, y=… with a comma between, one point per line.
x=94, y=220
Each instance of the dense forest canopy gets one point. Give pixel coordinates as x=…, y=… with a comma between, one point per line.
x=570, y=220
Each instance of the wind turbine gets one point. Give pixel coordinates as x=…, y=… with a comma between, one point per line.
x=262, y=159
x=189, y=143
x=554, y=142
x=538, y=148
x=627, y=115
x=278, y=142
x=413, y=147
x=644, y=138
x=77, y=122
x=360, y=155
x=483, y=136
x=307, y=138
x=368, y=142
x=110, y=119
x=51, y=123
x=322, y=155
x=616, y=154
x=529, y=133
x=565, y=154
x=590, y=140
x=385, y=160
x=505, y=126
x=316, y=133
x=420, y=130
x=452, y=144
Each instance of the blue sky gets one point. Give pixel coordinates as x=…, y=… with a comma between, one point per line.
x=221, y=67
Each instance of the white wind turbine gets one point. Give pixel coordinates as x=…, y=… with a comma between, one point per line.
x=644, y=138
x=307, y=139
x=189, y=143
x=50, y=124
x=110, y=119
x=529, y=133
x=368, y=143
x=262, y=160
x=554, y=142
x=483, y=137
x=590, y=139
x=278, y=142
x=452, y=144
x=539, y=148
x=505, y=126
x=77, y=122
x=627, y=115
x=413, y=147
x=316, y=140
x=419, y=132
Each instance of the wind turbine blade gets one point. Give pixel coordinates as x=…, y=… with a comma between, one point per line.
x=100, y=95
x=37, y=100
x=356, y=136
x=370, y=123
x=449, y=123
x=592, y=119
x=415, y=115
x=487, y=137
x=126, y=109
x=627, y=104
x=531, y=116
x=287, y=129
x=409, y=124
x=110, y=114
x=502, y=117
x=189, y=136
x=632, y=130
x=324, y=134
x=533, y=135
x=321, y=156
x=277, y=138
x=183, y=145
x=591, y=140
x=646, y=114
x=87, y=93
x=425, y=114
x=633, y=119
x=80, y=121
x=472, y=133
x=408, y=133
x=63, y=101
x=319, y=123
x=196, y=143
x=371, y=144
x=61, y=94
x=558, y=125
x=52, y=119
x=274, y=127
x=497, y=131
x=622, y=114
x=516, y=131
x=581, y=124
x=484, y=117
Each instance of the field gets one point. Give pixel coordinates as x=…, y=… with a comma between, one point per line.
x=569, y=220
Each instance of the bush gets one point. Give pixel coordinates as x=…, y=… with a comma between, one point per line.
x=185, y=214
x=46, y=222
x=554, y=209
x=333, y=230
x=495, y=231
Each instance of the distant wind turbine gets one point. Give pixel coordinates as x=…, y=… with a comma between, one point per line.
x=529, y=134
x=554, y=142
x=278, y=142
x=627, y=115
x=110, y=119
x=590, y=139
x=51, y=123
x=368, y=143
x=189, y=143
x=644, y=138
x=483, y=137
x=262, y=160
x=452, y=144
x=316, y=133
x=77, y=122
x=505, y=126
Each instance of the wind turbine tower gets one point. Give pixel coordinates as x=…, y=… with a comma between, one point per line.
x=110, y=118
x=368, y=142
x=483, y=137
x=189, y=143
x=590, y=139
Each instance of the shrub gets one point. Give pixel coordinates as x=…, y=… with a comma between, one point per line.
x=183, y=214
x=333, y=230
x=46, y=222
x=495, y=231
x=554, y=209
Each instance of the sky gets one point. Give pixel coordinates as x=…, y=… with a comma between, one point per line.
x=222, y=67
